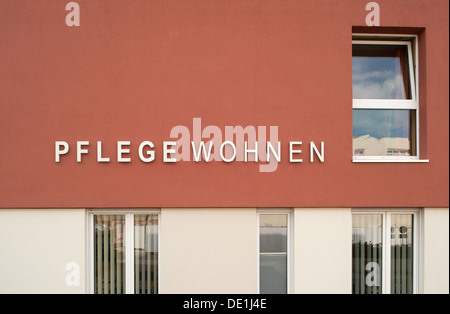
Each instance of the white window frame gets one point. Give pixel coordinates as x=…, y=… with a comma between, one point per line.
x=405, y=104
x=129, y=247
x=289, y=253
x=386, y=252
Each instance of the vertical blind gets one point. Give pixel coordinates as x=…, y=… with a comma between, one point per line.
x=109, y=254
x=146, y=254
x=110, y=250
x=369, y=253
x=401, y=254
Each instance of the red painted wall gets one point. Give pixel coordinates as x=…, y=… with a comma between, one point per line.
x=134, y=69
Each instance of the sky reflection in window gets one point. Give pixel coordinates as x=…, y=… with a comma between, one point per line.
x=380, y=72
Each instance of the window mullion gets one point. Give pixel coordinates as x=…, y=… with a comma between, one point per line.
x=416, y=242
x=129, y=253
x=387, y=254
x=90, y=246
x=406, y=104
x=288, y=253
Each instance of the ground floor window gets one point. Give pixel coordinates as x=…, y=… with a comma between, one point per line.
x=384, y=252
x=124, y=252
x=273, y=252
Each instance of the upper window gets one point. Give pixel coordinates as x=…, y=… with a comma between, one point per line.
x=385, y=108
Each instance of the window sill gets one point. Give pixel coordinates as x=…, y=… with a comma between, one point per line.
x=390, y=160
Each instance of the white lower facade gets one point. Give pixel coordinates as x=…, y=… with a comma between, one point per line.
x=207, y=250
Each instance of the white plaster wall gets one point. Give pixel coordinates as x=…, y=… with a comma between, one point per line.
x=322, y=250
x=210, y=250
x=35, y=247
x=435, y=255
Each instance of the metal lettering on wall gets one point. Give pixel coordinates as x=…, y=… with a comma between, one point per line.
x=228, y=146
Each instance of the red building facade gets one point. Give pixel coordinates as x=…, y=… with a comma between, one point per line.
x=104, y=105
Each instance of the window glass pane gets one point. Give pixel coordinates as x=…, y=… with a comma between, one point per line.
x=273, y=253
x=146, y=254
x=367, y=246
x=380, y=72
x=384, y=132
x=109, y=254
x=273, y=273
x=402, y=254
x=273, y=233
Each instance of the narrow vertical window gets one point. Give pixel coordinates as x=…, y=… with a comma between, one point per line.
x=384, y=253
x=273, y=253
x=125, y=253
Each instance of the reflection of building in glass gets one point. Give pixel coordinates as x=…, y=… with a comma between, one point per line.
x=387, y=146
